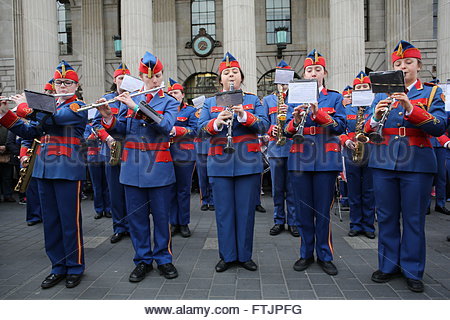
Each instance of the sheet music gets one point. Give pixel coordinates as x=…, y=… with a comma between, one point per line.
x=199, y=101
x=303, y=91
x=131, y=84
x=362, y=98
x=92, y=113
x=446, y=90
x=283, y=76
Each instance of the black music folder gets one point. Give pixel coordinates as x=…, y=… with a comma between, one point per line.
x=41, y=102
x=229, y=98
x=387, y=81
x=150, y=113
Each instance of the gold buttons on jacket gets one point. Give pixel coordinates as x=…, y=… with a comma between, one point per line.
x=400, y=113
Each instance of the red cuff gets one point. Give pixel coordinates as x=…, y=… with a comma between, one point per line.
x=102, y=134
x=210, y=127
x=443, y=139
x=269, y=132
x=109, y=127
x=251, y=119
x=323, y=118
x=367, y=127
x=180, y=131
x=290, y=128
x=9, y=119
x=343, y=138
x=23, y=111
x=419, y=116
x=23, y=151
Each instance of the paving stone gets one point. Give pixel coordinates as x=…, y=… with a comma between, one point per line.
x=356, y=295
x=248, y=294
x=249, y=284
x=327, y=291
x=94, y=293
x=381, y=291
x=195, y=294
x=199, y=283
x=302, y=295
x=144, y=294
x=274, y=291
x=223, y=290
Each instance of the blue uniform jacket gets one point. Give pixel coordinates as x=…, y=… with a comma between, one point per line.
x=182, y=145
x=321, y=149
x=274, y=150
x=406, y=145
x=59, y=155
x=247, y=158
x=94, y=144
x=146, y=159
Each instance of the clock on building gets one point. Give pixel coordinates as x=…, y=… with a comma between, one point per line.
x=203, y=44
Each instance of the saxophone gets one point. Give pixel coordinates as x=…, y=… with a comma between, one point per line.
x=360, y=137
x=26, y=172
x=115, y=152
x=281, y=120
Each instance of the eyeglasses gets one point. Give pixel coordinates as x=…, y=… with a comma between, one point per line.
x=67, y=83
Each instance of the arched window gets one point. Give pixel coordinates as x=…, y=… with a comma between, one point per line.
x=198, y=84
x=203, y=15
x=266, y=85
x=64, y=27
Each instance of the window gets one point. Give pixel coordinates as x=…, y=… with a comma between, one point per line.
x=266, y=83
x=203, y=15
x=435, y=18
x=64, y=27
x=366, y=20
x=278, y=14
x=200, y=84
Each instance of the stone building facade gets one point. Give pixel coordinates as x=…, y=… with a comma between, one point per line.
x=353, y=35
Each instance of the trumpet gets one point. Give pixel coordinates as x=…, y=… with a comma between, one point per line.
x=229, y=148
x=58, y=95
x=96, y=105
x=298, y=136
x=377, y=136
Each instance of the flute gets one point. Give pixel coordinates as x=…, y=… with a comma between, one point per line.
x=96, y=105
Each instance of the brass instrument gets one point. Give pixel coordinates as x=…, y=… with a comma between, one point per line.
x=115, y=152
x=281, y=120
x=360, y=137
x=298, y=136
x=96, y=105
x=377, y=136
x=229, y=148
x=26, y=172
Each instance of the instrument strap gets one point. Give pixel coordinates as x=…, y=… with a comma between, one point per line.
x=431, y=98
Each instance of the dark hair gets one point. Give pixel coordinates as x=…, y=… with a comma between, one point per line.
x=113, y=87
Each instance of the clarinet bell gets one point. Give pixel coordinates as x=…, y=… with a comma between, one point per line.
x=376, y=137
x=298, y=138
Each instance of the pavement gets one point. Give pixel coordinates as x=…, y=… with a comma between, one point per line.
x=24, y=264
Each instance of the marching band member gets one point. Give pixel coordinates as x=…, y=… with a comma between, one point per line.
x=183, y=153
x=116, y=189
x=359, y=175
x=96, y=167
x=147, y=169
x=403, y=168
x=314, y=166
x=282, y=193
x=59, y=169
x=235, y=177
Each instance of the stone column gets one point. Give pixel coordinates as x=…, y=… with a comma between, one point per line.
x=137, y=31
x=443, y=41
x=93, y=49
x=18, y=46
x=239, y=37
x=318, y=26
x=40, y=42
x=398, y=24
x=347, y=56
x=165, y=36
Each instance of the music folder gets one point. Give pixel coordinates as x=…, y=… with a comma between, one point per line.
x=387, y=81
x=41, y=101
x=229, y=98
x=150, y=113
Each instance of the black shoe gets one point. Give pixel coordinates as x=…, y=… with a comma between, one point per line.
x=51, y=280
x=185, y=232
x=428, y=211
x=249, y=265
x=174, y=229
x=204, y=207
x=98, y=215
x=32, y=223
x=260, y=208
x=72, y=280
x=116, y=237
x=381, y=277
x=303, y=264
x=414, y=285
x=222, y=266
x=354, y=233
x=370, y=234
x=168, y=270
x=448, y=238
x=140, y=271
x=107, y=214
x=276, y=229
x=328, y=267
x=294, y=231
x=443, y=210
x=211, y=207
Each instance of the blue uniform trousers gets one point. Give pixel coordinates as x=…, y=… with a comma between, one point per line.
x=407, y=193
x=440, y=177
x=360, y=196
x=33, y=204
x=206, y=193
x=117, y=196
x=235, y=199
x=61, y=213
x=139, y=203
x=282, y=192
x=313, y=194
x=180, y=213
x=100, y=187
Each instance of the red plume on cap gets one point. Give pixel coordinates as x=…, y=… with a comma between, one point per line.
x=314, y=58
x=403, y=50
x=228, y=62
x=65, y=71
x=122, y=69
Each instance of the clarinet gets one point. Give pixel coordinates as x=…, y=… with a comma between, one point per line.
x=298, y=136
x=377, y=136
x=229, y=148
